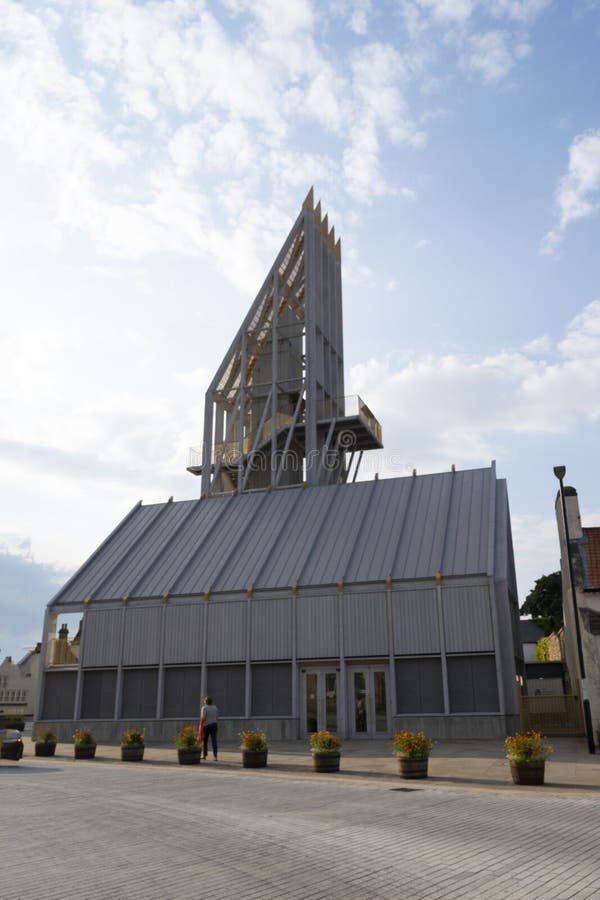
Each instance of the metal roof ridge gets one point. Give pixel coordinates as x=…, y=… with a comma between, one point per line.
x=141, y=536
x=195, y=552
x=95, y=553
x=297, y=579
x=372, y=493
x=413, y=479
x=438, y=568
x=145, y=574
x=234, y=547
x=491, y=547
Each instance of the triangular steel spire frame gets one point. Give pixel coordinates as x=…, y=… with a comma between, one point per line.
x=274, y=408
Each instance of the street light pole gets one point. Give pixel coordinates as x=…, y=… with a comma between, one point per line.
x=560, y=472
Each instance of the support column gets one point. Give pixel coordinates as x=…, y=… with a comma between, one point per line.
x=80, y=673
x=440, y=607
x=160, y=686
x=274, y=378
x=343, y=696
x=242, y=419
x=39, y=698
x=294, y=630
x=391, y=658
x=497, y=648
x=119, y=688
x=204, y=673
x=248, y=685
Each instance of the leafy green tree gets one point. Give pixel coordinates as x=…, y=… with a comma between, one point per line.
x=544, y=603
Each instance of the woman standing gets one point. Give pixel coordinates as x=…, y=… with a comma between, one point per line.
x=209, y=715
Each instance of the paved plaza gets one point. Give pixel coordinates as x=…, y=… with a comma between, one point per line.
x=156, y=830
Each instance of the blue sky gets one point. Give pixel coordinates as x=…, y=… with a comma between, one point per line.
x=152, y=159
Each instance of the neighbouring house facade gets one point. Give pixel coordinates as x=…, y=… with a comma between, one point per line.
x=19, y=683
x=584, y=550
x=541, y=677
x=297, y=596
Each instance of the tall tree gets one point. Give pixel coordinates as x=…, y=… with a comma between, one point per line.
x=544, y=603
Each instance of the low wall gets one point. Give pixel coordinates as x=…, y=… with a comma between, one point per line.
x=457, y=728
x=161, y=731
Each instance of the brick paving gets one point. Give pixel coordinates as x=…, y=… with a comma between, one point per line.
x=156, y=830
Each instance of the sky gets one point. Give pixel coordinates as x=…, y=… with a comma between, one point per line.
x=153, y=157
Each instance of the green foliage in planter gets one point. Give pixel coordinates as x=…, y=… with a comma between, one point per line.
x=527, y=746
x=83, y=737
x=133, y=737
x=325, y=742
x=186, y=738
x=253, y=740
x=411, y=745
x=45, y=737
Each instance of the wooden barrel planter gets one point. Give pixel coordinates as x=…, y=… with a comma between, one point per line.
x=84, y=751
x=413, y=768
x=12, y=750
x=528, y=772
x=132, y=753
x=254, y=759
x=45, y=748
x=326, y=762
x=189, y=756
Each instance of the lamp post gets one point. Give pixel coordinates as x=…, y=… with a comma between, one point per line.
x=560, y=472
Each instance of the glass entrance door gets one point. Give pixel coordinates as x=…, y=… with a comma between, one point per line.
x=320, y=700
x=368, y=696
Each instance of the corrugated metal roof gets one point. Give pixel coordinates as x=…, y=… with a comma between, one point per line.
x=406, y=528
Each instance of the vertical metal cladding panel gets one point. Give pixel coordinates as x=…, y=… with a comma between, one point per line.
x=226, y=630
x=59, y=695
x=182, y=692
x=102, y=637
x=365, y=624
x=183, y=632
x=271, y=629
x=98, y=699
x=466, y=545
x=467, y=619
x=415, y=620
x=139, y=694
x=317, y=627
x=142, y=636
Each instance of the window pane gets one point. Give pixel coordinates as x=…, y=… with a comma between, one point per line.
x=331, y=717
x=182, y=692
x=139, y=694
x=419, y=685
x=272, y=689
x=98, y=700
x=381, y=721
x=360, y=703
x=312, y=723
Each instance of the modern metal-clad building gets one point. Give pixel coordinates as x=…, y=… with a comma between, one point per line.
x=297, y=596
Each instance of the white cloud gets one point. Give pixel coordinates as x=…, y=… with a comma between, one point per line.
x=472, y=402
x=359, y=16
x=488, y=54
x=449, y=11
x=422, y=244
x=582, y=340
x=578, y=194
x=538, y=346
x=524, y=11
x=168, y=110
